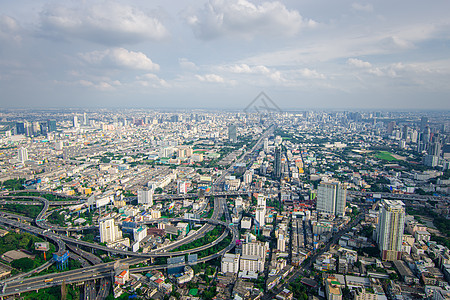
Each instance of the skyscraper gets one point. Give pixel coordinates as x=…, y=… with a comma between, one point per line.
x=277, y=163
x=51, y=125
x=21, y=127
x=75, y=121
x=232, y=136
x=85, y=119
x=331, y=198
x=391, y=224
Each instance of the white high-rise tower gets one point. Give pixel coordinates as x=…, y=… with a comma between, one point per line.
x=391, y=225
x=22, y=154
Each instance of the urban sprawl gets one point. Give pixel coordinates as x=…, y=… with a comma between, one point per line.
x=145, y=204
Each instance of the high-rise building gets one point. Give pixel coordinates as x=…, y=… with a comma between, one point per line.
x=232, y=135
x=281, y=243
x=266, y=145
x=255, y=248
x=75, y=121
x=277, y=163
x=109, y=231
x=389, y=233
x=51, y=125
x=230, y=263
x=85, y=119
x=21, y=127
x=423, y=123
x=22, y=154
x=261, y=215
x=331, y=198
x=145, y=197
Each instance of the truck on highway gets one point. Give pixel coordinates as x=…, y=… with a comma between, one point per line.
x=48, y=280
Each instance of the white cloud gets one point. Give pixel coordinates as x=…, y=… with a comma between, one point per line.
x=121, y=58
x=104, y=22
x=100, y=85
x=210, y=78
x=152, y=80
x=362, y=7
x=311, y=74
x=246, y=69
x=187, y=65
x=358, y=63
x=243, y=18
x=9, y=29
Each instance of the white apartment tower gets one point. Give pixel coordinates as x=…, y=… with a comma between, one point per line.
x=145, y=197
x=331, y=198
x=391, y=224
x=281, y=243
x=22, y=154
x=109, y=231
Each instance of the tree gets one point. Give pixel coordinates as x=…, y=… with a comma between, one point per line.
x=24, y=264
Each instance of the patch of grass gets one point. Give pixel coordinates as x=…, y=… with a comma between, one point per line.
x=385, y=155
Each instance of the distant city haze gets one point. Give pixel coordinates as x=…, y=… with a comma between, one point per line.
x=214, y=54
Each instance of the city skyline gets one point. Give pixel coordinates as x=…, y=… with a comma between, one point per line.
x=212, y=54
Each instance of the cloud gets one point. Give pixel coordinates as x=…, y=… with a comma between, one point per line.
x=311, y=74
x=9, y=29
x=358, y=63
x=395, y=42
x=152, y=80
x=105, y=22
x=243, y=18
x=362, y=7
x=187, y=65
x=120, y=58
x=101, y=85
x=210, y=78
x=246, y=69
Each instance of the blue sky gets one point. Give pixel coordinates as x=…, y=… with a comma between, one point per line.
x=221, y=54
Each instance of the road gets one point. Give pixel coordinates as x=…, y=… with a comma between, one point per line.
x=312, y=259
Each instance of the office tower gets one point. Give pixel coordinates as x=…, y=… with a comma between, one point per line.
x=109, y=231
x=281, y=243
x=20, y=127
x=423, y=123
x=44, y=128
x=331, y=198
x=434, y=149
x=35, y=128
x=277, y=163
x=75, y=121
x=22, y=154
x=266, y=145
x=85, y=119
x=51, y=125
x=232, y=136
x=145, y=197
x=390, y=228
x=390, y=127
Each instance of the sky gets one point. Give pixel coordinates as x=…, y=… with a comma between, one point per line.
x=304, y=54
